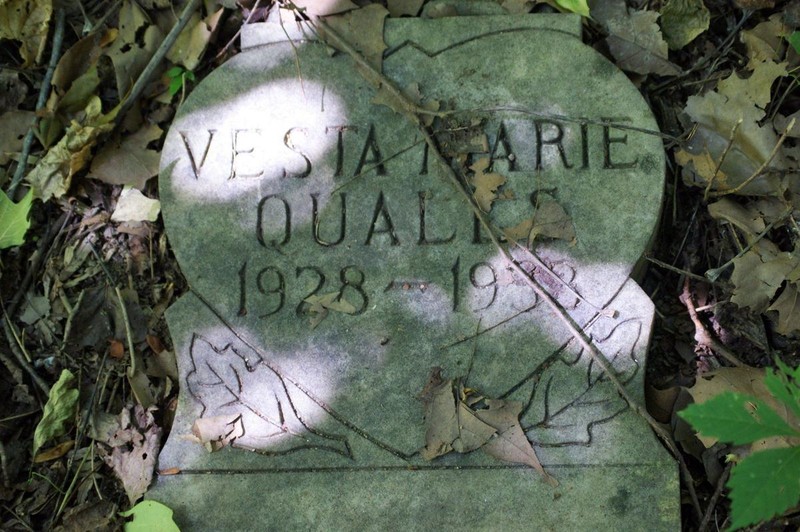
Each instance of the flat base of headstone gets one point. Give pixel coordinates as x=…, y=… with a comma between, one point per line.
x=606, y=481
x=591, y=498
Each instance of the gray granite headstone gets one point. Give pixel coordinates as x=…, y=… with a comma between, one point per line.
x=283, y=185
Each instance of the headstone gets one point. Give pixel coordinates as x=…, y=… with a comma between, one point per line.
x=333, y=263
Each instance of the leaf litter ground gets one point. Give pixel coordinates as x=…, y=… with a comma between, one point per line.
x=87, y=276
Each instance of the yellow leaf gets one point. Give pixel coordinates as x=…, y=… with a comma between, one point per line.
x=54, y=452
x=485, y=183
x=52, y=175
x=26, y=21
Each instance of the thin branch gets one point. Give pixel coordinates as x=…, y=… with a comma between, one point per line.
x=701, y=334
x=412, y=112
x=44, y=91
x=722, y=159
x=714, y=273
x=712, y=504
x=144, y=78
x=761, y=168
x=14, y=343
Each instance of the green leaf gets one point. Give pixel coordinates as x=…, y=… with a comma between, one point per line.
x=150, y=516
x=14, y=220
x=59, y=410
x=736, y=418
x=763, y=485
x=580, y=7
x=175, y=86
x=782, y=386
x=794, y=40
x=175, y=72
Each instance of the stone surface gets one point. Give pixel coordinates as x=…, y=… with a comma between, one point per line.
x=281, y=182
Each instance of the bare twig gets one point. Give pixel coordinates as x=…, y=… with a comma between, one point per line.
x=677, y=270
x=44, y=91
x=12, y=367
x=412, y=113
x=148, y=72
x=45, y=247
x=714, y=273
x=701, y=334
x=761, y=168
x=722, y=159
x=712, y=504
x=14, y=343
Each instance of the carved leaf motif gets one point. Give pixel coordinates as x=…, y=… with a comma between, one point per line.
x=546, y=410
x=248, y=404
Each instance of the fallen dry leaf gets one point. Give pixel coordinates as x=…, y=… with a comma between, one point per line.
x=26, y=21
x=634, y=38
x=745, y=217
x=133, y=206
x=510, y=444
x=53, y=452
x=682, y=21
x=218, y=431
x=130, y=162
x=788, y=308
x=193, y=40
x=755, y=89
x=758, y=274
x=134, y=450
x=137, y=41
x=732, y=112
x=79, y=58
x=12, y=91
x=452, y=423
x=94, y=515
x=744, y=380
x=320, y=305
x=549, y=220
x=363, y=29
x=486, y=184
x=52, y=175
x=765, y=42
x=14, y=126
